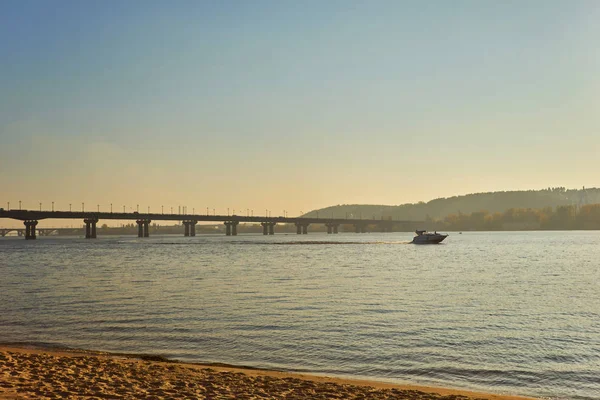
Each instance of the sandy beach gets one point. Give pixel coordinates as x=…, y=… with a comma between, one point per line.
x=27, y=373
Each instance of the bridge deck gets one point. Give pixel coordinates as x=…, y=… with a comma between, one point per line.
x=25, y=215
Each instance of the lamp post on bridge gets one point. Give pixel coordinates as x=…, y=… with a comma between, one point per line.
x=111, y=208
x=70, y=209
x=52, y=206
x=40, y=206
x=19, y=204
x=162, y=209
x=137, y=208
x=82, y=207
x=8, y=206
x=98, y=207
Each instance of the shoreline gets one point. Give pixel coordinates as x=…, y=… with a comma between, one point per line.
x=40, y=372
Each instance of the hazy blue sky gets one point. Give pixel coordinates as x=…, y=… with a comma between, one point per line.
x=294, y=105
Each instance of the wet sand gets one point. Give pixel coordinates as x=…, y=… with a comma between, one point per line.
x=27, y=373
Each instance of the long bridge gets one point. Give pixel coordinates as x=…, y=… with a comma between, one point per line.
x=31, y=218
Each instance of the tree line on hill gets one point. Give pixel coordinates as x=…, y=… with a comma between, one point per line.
x=570, y=217
x=493, y=202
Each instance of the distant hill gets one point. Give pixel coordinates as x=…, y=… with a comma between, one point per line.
x=442, y=207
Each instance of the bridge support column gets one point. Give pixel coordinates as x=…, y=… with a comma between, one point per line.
x=140, y=227
x=329, y=228
x=30, y=229
x=234, y=225
x=265, y=226
x=90, y=228
x=335, y=228
x=147, y=228
x=193, y=228
x=186, y=228
x=272, y=228
x=360, y=228
x=301, y=228
x=228, y=228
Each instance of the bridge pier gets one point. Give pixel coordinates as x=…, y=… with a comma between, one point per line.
x=360, y=228
x=268, y=228
x=90, y=228
x=332, y=227
x=301, y=228
x=231, y=228
x=30, y=229
x=193, y=227
x=189, y=228
x=143, y=227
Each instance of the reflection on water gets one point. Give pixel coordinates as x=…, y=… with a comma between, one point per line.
x=505, y=312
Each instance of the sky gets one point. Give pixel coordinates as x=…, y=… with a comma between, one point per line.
x=293, y=105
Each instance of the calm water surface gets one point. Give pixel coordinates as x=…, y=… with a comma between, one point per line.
x=510, y=312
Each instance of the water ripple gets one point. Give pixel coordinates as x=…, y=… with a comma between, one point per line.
x=487, y=311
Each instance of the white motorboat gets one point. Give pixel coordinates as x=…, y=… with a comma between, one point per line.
x=424, y=237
